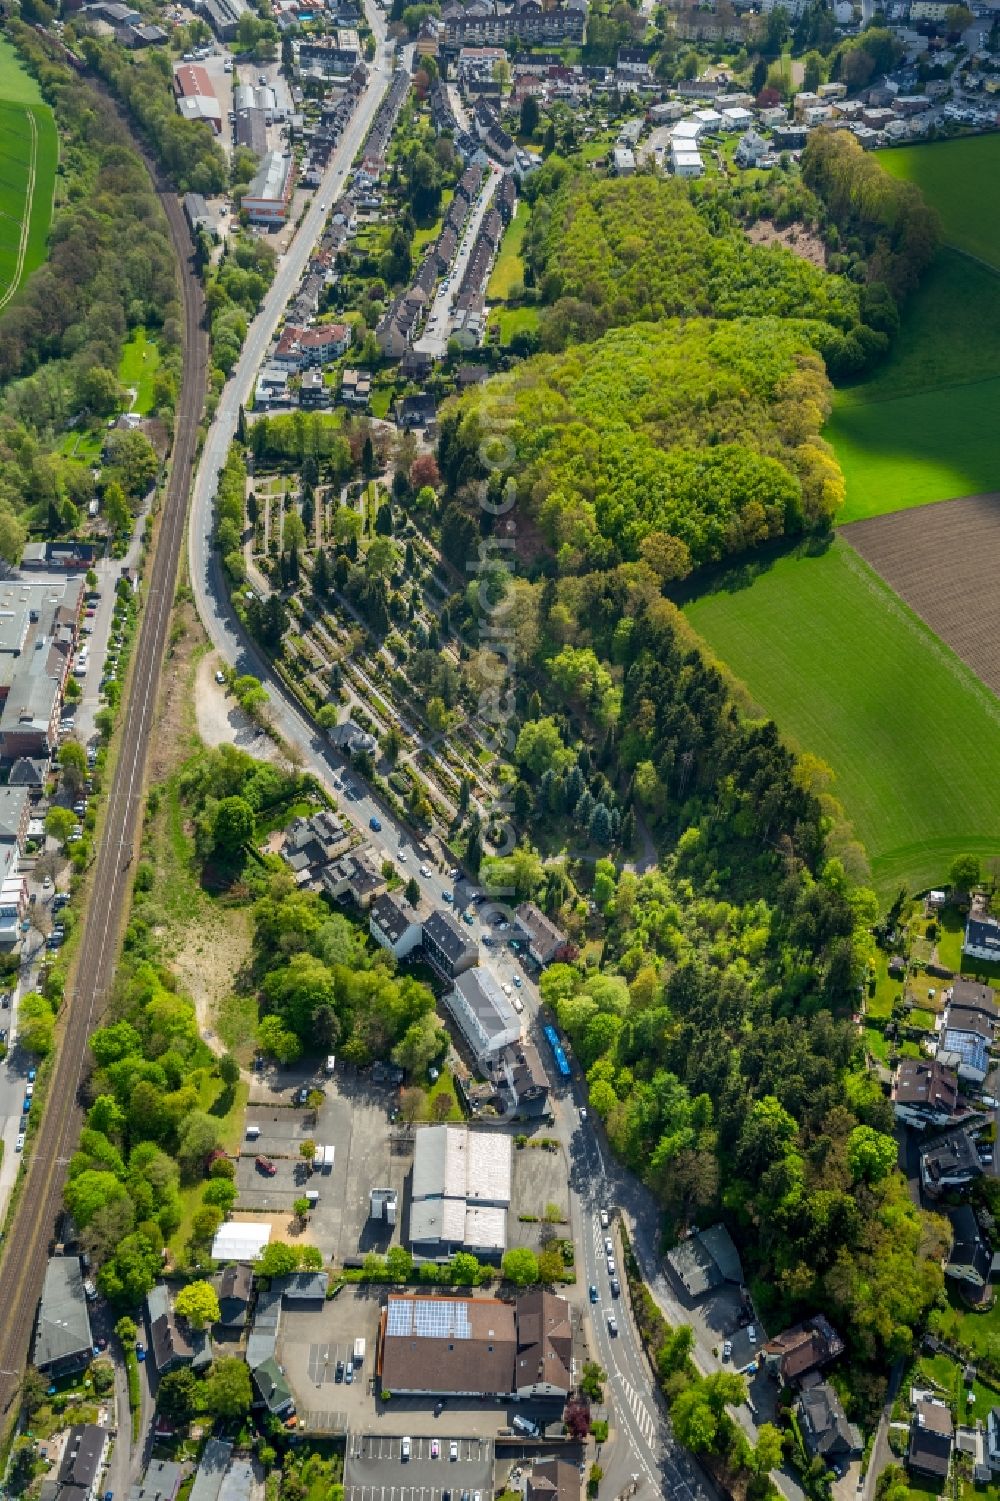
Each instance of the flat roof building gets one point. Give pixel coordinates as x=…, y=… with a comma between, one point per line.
x=460, y=1190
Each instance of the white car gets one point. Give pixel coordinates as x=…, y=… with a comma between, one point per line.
x=220, y=677
x=612, y=1325
x=508, y=990
x=19, y=1144
x=425, y=871
x=453, y=1449
x=612, y=1269
x=605, y=1220
x=29, y=1090
x=404, y=1449
x=752, y=1333
x=609, y=1249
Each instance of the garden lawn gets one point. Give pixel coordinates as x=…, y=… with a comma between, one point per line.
x=958, y=178
x=514, y=321
x=139, y=364
x=909, y=732
x=509, y=269
x=936, y=445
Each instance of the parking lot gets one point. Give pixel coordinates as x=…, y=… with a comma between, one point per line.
x=310, y=1344
x=354, y=1120
x=375, y=1470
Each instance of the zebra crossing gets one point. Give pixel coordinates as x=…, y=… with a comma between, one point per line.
x=640, y=1412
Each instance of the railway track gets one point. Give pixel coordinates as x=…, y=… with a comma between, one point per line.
x=22, y=1269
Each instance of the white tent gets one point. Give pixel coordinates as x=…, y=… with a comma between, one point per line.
x=240, y=1240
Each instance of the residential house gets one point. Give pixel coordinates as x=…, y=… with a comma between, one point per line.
x=211, y=1470
x=352, y=739
x=234, y=1288
x=414, y=413
x=634, y=66
x=802, y=1349
x=82, y=1464
x=395, y=925
x=552, y=1480
x=623, y=161
x=63, y=1339
x=169, y=1345
x=950, y=1162
x=931, y=1433
x=968, y=996
x=789, y=137
x=545, y=941
x=356, y=387
x=357, y=875
x=447, y=947
x=706, y=1259
x=970, y=1259
x=924, y=1093
x=161, y=1482
x=965, y=1050
x=993, y=1438
x=314, y=393
x=750, y=148
x=826, y=1432
x=311, y=843
x=273, y=1390
x=520, y=1081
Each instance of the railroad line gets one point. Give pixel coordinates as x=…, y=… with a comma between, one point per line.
x=22, y=1269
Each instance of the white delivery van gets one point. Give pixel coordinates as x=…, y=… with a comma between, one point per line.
x=359, y=1352
x=331, y=1064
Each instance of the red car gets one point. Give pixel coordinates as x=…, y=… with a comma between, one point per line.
x=265, y=1165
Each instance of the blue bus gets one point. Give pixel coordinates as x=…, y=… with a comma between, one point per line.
x=552, y=1039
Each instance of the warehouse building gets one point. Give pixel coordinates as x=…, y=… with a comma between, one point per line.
x=223, y=16
x=460, y=1191
x=267, y=198
x=196, y=98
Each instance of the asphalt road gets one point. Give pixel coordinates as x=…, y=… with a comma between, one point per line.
x=26, y=1248
x=434, y=340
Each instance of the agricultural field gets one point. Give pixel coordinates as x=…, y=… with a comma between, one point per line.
x=920, y=428
x=29, y=155
x=957, y=178
x=909, y=731
x=942, y=563
x=932, y=446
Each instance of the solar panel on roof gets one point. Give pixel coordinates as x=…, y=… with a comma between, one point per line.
x=430, y=1318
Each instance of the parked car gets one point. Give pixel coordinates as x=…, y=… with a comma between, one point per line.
x=752, y=1333
x=435, y=1449
x=467, y=917
x=727, y=1350
x=593, y=1293
x=375, y=824
x=425, y=871
x=404, y=1448
x=349, y=1372
x=338, y=1374
x=266, y=1166
x=453, y=1449
x=19, y=1144
x=140, y=1350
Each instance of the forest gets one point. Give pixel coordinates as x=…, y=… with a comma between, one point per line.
x=685, y=442
x=109, y=271
x=602, y=252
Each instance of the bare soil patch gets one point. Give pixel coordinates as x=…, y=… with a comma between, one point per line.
x=794, y=237
x=175, y=721
x=942, y=560
x=220, y=720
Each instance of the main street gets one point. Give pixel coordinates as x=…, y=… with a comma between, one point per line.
x=642, y=1447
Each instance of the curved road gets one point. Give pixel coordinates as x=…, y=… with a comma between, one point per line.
x=25, y=1252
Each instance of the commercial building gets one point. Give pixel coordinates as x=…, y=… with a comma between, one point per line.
x=460, y=1191
x=63, y=1339
x=223, y=16
x=267, y=198
x=196, y=98
x=482, y=1013
x=475, y=1347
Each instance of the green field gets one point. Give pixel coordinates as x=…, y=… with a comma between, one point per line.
x=29, y=155
x=139, y=364
x=922, y=427
x=933, y=446
x=960, y=179
x=849, y=673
